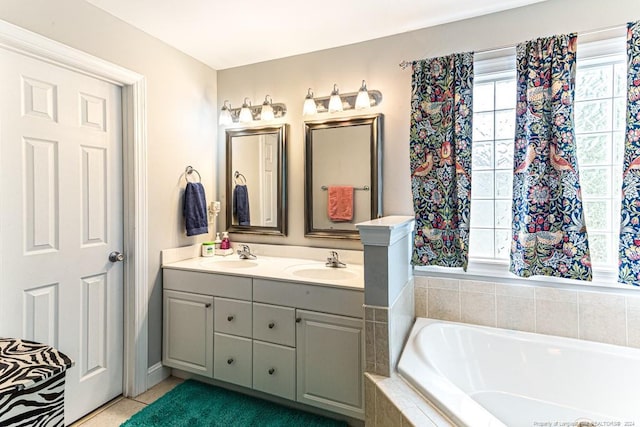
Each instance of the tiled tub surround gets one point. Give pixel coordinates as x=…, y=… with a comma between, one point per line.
x=609, y=317
x=388, y=294
x=386, y=330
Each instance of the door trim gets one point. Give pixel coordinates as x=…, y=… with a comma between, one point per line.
x=134, y=167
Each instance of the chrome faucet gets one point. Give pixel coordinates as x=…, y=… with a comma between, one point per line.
x=245, y=252
x=333, y=260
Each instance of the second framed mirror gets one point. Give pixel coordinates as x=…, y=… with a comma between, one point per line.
x=342, y=175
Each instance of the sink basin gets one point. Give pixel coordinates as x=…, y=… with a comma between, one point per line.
x=231, y=263
x=321, y=272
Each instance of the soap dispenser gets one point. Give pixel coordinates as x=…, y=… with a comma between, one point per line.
x=218, y=241
x=225, y=243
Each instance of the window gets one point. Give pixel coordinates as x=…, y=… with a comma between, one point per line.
x=494, y=101
x=599, y=120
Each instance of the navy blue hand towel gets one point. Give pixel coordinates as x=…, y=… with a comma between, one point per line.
x=195, y=209
x=241, y=205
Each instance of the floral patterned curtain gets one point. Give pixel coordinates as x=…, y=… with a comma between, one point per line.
x=440, y=158
x=629, y=248
x=549, y=233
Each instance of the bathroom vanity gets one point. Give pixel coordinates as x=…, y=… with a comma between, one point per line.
x=289, y=327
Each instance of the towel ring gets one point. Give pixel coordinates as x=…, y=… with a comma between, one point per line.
x=188, y=171
x=239, y=178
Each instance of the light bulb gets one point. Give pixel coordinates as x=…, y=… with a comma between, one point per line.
x=245, y=112
x=266, y=113
x=335, y=103
x=309, y=108
x=362, y=100
x=225, y=119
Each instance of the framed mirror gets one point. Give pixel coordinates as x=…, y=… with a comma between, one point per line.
x=256, y=184
x=342, y=175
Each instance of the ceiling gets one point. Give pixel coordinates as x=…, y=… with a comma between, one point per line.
x=240, y=32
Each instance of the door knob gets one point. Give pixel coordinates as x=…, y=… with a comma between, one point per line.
x=116, y=256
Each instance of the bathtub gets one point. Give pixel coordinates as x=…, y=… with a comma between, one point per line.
x=481, y=376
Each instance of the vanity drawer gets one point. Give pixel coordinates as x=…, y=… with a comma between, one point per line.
x=274, y=369
x=274, y=324
x=232, y=316
x=232, y=359
x=328, y=299
x=207, y=283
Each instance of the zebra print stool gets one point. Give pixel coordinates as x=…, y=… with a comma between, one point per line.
x=31, y=384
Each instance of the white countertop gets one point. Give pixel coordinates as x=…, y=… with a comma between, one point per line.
x=268, y=267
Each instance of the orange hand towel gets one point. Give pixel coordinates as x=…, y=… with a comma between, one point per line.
x=340, y=203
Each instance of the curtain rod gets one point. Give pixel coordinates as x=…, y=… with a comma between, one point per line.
x=589, y=34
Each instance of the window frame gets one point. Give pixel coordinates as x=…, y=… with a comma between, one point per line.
x=500, y=64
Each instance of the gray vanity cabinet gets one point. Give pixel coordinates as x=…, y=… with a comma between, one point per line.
x=330, y=362
x=188, y=332
x=302, y=342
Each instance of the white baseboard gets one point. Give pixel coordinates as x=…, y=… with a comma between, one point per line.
x=156, y=374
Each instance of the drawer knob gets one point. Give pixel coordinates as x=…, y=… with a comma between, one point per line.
x=230, y=361
x=271, y=371
x=272, y=325
x=230, y=318
x=207, y=305
x=298, y=319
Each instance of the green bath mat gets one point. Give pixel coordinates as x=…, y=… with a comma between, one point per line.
x=195, y=404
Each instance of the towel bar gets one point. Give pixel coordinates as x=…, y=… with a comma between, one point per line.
x=365, y=188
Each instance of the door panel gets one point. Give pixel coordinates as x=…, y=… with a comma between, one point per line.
x=60, y=217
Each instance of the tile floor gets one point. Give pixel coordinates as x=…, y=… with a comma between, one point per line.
x=120, y=409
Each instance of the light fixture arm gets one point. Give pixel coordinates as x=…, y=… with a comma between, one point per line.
x=279, y=109
x=348, y=99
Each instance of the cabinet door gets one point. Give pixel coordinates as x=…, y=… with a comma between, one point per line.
x=188, y=332
x=330, y=362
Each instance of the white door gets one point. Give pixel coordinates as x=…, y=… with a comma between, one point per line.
x=60, y=217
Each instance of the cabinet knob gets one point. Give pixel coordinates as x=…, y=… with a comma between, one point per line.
x=272, y=325
x=230, y=318
x=271, y=371
x=230, y=361
x=298, y=319
x=207, y=305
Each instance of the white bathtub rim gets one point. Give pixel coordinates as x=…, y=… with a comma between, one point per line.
x=452, y=400
x=455, y=404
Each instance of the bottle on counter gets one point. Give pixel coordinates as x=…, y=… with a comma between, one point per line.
x=225, y=243
x=217, y=241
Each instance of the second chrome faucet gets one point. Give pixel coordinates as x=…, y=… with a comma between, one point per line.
x=333, y=260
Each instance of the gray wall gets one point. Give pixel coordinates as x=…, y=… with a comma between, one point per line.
x=181, y=97
x=376, y=61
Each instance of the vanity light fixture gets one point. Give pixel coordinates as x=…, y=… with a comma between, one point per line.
x=362, y=99
x=245, y=112
x=266, y=111
x=309, y=108
x=335, y=102
x=225, y=118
